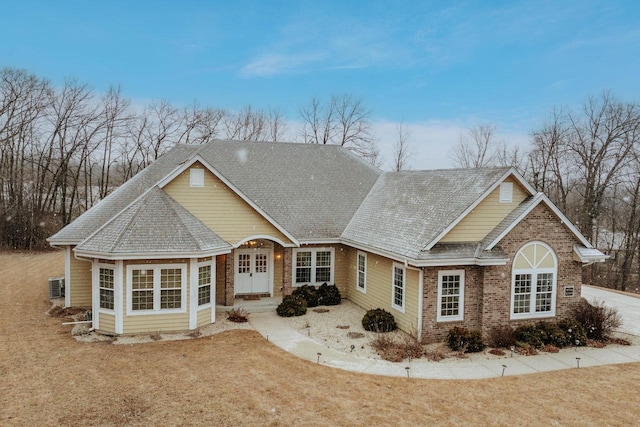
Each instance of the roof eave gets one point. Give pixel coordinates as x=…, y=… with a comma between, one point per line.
x=151, y=254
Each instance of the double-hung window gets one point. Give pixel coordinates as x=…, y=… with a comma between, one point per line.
x=106, y=288
x=313, y=266
x=204, y=284
x=450, y=295
x=533, y=290
x=399, y=279
x=156, y=288
x=361, y=280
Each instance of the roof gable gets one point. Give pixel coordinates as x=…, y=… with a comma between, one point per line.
x=408, y=211
x=521, y=213
x=221, y=206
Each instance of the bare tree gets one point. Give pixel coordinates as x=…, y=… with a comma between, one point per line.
x=477, y=147
x=344, y=121
x=402, y=149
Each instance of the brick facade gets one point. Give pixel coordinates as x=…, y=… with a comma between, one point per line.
x=228, y=280
x=287, y=286
x=487, y=293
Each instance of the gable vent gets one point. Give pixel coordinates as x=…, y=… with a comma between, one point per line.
x=506, y=192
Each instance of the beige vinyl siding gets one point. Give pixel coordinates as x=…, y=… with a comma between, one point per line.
x=486, y=216
x=222, y=210
x=80, y=286
x=107, y=322
x=343, y=266
x=204, y=317
x=156, y=322
x=379, y=289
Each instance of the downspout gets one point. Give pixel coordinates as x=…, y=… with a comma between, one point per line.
x=420, y=302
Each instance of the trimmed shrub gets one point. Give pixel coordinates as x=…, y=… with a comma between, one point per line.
x=574, y=332
x=379, y=320
x=502, y=336
x=328, y=295
x=529, y=334
x=309, y=293
x=465, y=340
x=598, y=320
x=292, y=305
x=542, y=334
x=551, y=334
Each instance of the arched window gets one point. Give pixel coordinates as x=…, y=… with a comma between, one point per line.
x=533, y=289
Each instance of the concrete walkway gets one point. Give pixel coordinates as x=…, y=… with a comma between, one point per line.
x=279, y=331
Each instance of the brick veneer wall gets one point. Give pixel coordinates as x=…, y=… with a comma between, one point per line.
x=488, y=289
x=432, y=330
x=228, y=280
x=287, y=272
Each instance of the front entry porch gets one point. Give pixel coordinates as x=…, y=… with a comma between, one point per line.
x=258, y=268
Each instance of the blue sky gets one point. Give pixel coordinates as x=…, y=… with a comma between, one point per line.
x=439, y=67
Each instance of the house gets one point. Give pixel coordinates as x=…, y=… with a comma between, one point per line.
x=205, y=224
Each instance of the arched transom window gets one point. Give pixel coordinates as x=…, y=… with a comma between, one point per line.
x=533, y=290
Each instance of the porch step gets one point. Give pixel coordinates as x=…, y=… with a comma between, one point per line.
x=257, y=306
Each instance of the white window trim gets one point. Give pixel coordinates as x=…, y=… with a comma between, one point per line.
x=460, y=315
x=533, y=314
x=113, y=268
x=197, y=287
x=393, y=287
x=313, y=266
x=156, y=289
x=196, y=177
x=506, y=192
x=358, y=272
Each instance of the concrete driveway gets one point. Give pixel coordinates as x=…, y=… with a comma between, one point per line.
x=628, y=306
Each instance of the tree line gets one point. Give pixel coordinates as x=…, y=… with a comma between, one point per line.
x=62, y=149
x=587, y=162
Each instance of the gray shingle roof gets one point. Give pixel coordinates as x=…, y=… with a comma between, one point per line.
x=110, y=206
x=311, y=190
x=405, y=211
x=470, y=250
x=155, y=223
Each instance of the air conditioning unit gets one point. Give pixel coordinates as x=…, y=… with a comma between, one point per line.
x=56, y=287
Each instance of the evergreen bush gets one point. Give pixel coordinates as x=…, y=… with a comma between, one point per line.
x=379, y=320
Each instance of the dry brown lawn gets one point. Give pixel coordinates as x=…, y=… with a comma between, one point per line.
x=237, y=378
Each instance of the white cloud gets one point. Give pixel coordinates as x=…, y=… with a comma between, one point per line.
x=272, y=64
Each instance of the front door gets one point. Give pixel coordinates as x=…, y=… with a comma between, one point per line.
x=252, y=271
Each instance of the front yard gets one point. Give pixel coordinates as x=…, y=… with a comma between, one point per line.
x=237, y=378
